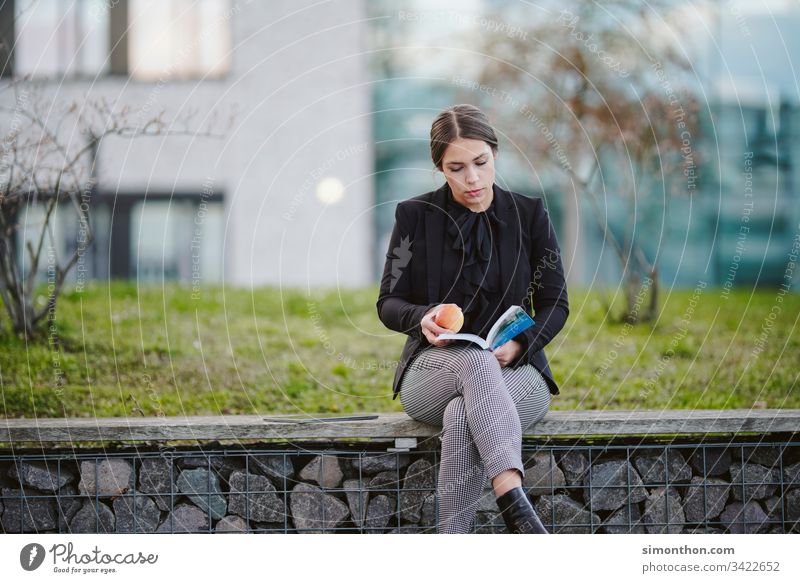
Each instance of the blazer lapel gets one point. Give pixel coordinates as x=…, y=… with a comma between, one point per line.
x=509, y=246
x=434, y=232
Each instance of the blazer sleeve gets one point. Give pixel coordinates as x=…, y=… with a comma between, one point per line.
x=547, y=290
x=394, y=305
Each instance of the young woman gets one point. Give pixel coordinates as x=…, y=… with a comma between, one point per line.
x=473, y=244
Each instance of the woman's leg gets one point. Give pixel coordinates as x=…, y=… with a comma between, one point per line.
x=483, y=409
x=531, y=395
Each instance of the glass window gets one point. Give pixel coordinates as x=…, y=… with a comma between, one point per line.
x=178, y=39
x=57, y=38
x=176, y=240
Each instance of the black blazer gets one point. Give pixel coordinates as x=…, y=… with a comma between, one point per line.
x=530, y=269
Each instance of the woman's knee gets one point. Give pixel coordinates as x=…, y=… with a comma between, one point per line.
x=534, y=407
x=474, y=361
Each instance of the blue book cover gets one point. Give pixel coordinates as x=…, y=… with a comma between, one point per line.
x=514, y=321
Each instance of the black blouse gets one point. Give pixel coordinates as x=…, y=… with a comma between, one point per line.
x=475, y=283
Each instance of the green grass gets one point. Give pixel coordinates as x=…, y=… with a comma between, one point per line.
x=149, y=351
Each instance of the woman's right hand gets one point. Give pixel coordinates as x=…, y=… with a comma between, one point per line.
x=431, y=329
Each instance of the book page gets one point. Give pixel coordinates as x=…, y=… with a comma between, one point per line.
x=470, y=337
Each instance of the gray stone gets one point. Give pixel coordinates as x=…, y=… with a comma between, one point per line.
x=357, y=500
x=5, y=481
x=202, y=488
x=107, y=478
x=759, y=481
x=418, y=484
x=136, y=514
x=663, y=512
x=487, y=501
x=185, y=518
x=705, y=499
x=620, y=522
x=791, y=475
x=652, y=469
x=262, y=503
x=93, y=517
x=68, y=503
x=609, y=485
x=44, y=476
x=323, y=470
x=542, y=474
x=29, y=513
x=277, y=467
x=773, y=506
x=575, y=464
x=428, y=518
x=563, y=515
x=489, y=523
x=372, y=464
x=386, y=482
x=222, y=465
x=793, y=505
x=741, y=518
x=717, y=460
x=156, y=477
x=231, y=524
x=379, y=512
x=765, y=455
x=313, y=510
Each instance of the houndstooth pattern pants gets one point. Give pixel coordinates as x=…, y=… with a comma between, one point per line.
x=483, y=409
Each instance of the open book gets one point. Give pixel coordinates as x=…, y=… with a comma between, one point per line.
x=513, y=322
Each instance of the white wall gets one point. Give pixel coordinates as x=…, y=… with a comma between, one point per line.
x=299, y=83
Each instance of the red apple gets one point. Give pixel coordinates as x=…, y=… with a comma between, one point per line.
x=449, y=316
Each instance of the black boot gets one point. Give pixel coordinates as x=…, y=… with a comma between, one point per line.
x=518, y=513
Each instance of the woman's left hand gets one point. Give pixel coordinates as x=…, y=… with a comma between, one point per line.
x=508, y=352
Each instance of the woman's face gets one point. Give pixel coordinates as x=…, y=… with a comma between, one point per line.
x=468, y=167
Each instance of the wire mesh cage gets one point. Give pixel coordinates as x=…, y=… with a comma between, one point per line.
x=575, y=488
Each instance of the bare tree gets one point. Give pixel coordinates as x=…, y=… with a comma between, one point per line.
x=602, y=98
x=44, y=165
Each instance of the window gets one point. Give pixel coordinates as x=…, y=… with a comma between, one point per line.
x=161, y=236
x=147, y=39
x=178, y=39
x=176, y=240
x=55, y=38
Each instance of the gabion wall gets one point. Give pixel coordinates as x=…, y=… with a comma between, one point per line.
x=742, y=487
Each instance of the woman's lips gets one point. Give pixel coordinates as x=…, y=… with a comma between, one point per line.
x=474, y=192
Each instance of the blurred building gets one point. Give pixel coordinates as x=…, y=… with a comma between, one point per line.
x=739, y=227
x=283, y=197
x=333, y=103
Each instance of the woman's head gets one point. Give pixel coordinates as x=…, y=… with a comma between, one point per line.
x=464, y=147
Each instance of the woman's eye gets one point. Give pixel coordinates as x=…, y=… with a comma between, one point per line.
x=481, y=163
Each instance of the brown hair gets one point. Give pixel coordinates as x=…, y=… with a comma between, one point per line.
x=459, y=121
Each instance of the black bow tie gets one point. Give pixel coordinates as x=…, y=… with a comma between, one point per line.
x=471, y=233
x=472, y=237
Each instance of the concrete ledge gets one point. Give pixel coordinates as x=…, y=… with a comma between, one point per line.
x=391, y=426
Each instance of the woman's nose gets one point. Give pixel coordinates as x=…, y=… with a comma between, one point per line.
x=472, y=175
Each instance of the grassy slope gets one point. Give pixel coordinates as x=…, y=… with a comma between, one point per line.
x=154, y=350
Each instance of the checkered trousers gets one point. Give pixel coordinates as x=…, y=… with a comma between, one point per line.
x=483, y=409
